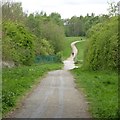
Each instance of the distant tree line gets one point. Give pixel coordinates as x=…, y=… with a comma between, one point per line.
x=28, y=35
x=78, y=26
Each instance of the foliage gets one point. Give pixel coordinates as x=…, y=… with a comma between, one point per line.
x=26, y=35
x=49, y=28
x=113, y=9
x=55, y=35
x=59, y=57
x=13, y=11
x=18, y=43
x=102, y=47
x=56, y=18
x=78, y=26
x=17, y=81
x=74, y=26
x=101, y=89
x=43, y=47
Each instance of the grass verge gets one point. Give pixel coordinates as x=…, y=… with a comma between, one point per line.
x=101, y=88
x=68, y=41
x=17, y=81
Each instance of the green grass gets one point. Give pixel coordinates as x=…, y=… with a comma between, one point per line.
x=101, y=89
x=80, y=46
x=68, y=41
x=17, y=81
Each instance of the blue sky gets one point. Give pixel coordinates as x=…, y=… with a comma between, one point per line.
x=67, y=8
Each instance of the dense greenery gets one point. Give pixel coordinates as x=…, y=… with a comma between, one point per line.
x=45, y=27
x=37, y=34
x=78, y=26
x=26, y=36
x=17, y=81
x=101, y=89
x=18, y=44
x=102, y=47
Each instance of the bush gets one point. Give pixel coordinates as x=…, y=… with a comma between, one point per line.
x=18, y=44
x=102, y=47
x=43, y=47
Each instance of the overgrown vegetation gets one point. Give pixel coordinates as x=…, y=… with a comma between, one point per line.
x=101, y=88
x=18, y=44
x=17, y=81
x=27, y=36
x=98, y=77
x=102, y=47
x=44, y=27
x=78, y=26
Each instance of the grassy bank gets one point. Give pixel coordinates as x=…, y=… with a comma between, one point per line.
x=18, y=81
x=68, y=41
x=101, y=89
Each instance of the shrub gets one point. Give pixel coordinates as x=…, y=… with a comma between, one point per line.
x=102, y=49
x=18, y=43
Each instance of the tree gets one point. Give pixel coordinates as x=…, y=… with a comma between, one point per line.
x=12, y=11
x=56, y=18
x=113, y=9
x=47, y=28
x=54, y=34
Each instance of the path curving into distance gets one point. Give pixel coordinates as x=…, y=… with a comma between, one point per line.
x=70, y=63
x=55, y=97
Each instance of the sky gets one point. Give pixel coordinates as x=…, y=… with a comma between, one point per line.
x=66, y=8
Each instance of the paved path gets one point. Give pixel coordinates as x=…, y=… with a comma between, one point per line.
x=55, y=97
x=69, y=63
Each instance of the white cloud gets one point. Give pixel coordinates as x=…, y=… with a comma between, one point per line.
x=76, y=2
x=67, y=8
